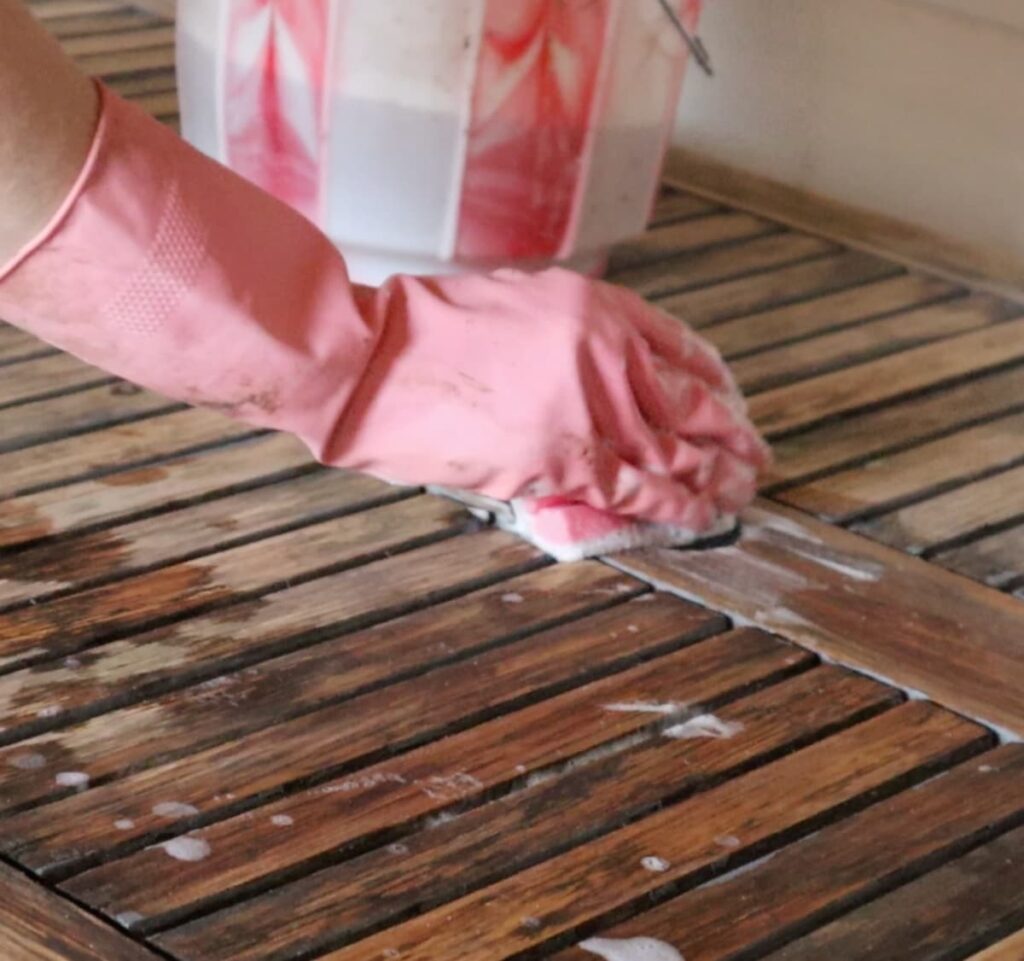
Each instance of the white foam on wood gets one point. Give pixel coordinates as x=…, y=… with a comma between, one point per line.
x=631, y=949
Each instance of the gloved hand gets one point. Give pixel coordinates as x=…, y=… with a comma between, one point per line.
x=166, y=269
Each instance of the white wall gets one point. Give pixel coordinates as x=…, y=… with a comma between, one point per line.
x=913, y=108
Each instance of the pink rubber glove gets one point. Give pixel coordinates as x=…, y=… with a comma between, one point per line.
x=167, y=269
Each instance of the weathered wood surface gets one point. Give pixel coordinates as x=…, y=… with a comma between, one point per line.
x=37, y=925
x=782, y=799
x=778, y=897
x=253, y=710
x=862, y=603
x=959, y=906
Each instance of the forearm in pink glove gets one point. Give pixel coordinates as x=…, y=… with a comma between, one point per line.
x=170, y=271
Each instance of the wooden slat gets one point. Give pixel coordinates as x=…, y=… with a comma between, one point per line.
x=721, y=263
x=959, y=513
x=115, y=448
x=71, y=623
x=811, y=401
x=137, y=85
x=974, y=900
x=131, y=492
x=125, y=18
x=51, y=9
x=111, y=43
x=335, y=739
x=674, y=205
x=211, y=526
x=588, y=883
x=912, y=473
x=997, y=559
x=90, y=409
x=543, y=817
x=772, y=901
x=121, y=674
x=748, y=294
x=128, y=61
x=687, y=235
x=45, y=377
x=863, y=604
x=124, y=672
x=158, y=104
x=399, y=790
x=37, y=925
x=1012, y=949
x=795, y=322
x=17, y=345
x=868, y=341
x=840, y=443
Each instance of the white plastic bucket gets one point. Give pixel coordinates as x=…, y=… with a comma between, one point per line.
x=438, y=135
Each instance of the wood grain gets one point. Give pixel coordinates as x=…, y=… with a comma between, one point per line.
x=863, y=604
x=914, y=473
x=115, y=448
x=211, y=526
x=70, y=623
x=402, y=791
x=64, y=416
x=675, y=205
x=46, y=376
x=125, y=672
x=37, y=925
x=972, y=901
x=544, y=816
x=171, y=483
x=745, y=295
x=959, y=513
x=794, y=322
x=997, y=559
x=340, y=737
x=1011, y=949
x=111, y=42
x=774, y=900
x=812, y=401
x=869, y=341
x=582, y=886
x=841, y=443
x=128, y=61
x=719, y=264
x=687, y=235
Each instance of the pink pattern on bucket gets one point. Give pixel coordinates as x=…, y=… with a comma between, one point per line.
x=537, y=80
x=275, y=88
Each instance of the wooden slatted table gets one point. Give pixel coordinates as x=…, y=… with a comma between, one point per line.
x=255, y=710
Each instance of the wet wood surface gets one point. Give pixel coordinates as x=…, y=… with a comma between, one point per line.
x=255, y=710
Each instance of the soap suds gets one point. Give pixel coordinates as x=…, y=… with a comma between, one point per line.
x=655, y=865
x=449, y=787
x=704, y=725
x=646, y=707
x=124, y=824
x=50, y=711
x=362, y=782
x=512, y=598
x=28, y=762
x=174, y=809
x=128, y=919
x=187, y=849
x=728, y=841
x=75, y=779
x=282, y=820
x=631, y=949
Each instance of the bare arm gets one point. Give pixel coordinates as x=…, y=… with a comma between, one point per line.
x=47, y=116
